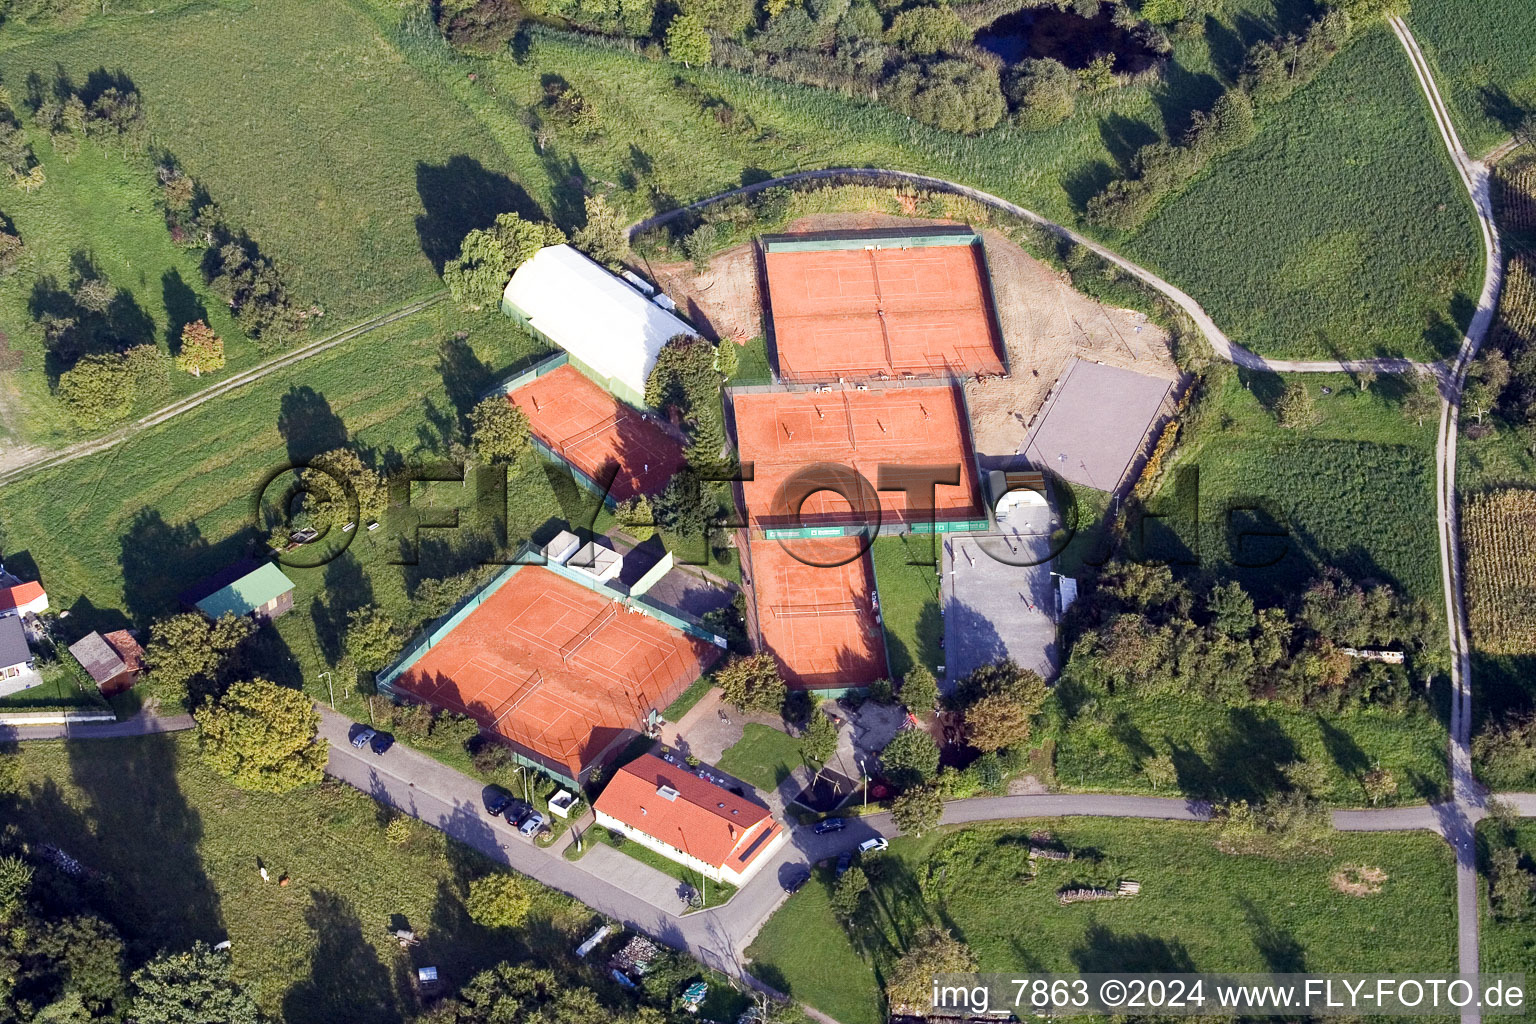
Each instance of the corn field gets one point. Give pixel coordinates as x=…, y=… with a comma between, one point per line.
x=1499, y=537
x=1517, y=196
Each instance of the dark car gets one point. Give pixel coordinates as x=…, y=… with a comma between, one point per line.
x=794, y=883
x=829, y=826
x=516, y=813
x=843, y=862
x=496, y=800
x=382, y=741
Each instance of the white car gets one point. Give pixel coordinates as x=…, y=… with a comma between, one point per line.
x=873, y=845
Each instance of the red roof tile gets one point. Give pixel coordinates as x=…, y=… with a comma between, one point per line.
x=20, y=594
x=698, y=817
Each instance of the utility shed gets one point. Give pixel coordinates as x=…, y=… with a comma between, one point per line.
x=249, y=587
x=113, y=661
x=609, y=329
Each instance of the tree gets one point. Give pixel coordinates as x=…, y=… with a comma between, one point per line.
x=604, y=238
x=999, y=702
x=1296, y=408
x=187, y=646
x=1487, y=378
x=919, y=691
x=86, y=954
x=926, y=30
x=498, y=431
x=340, y=486
x=1289, y=825
x=15, y=882
x=918, y=810
x=1510, y=884
x=699, y=245
x=819, y=742
x=1159, y=771
x=202, y=351
x=372, y=639
x=500, y=900
x=195, y=987
x=909, y=985
x=848, y=894
x=911, y=758
x=1423, y=397
x=1364, y=378
x=262, y=737
x=752, y=683
x=1042, y=91
x=636, y=516
x=1231, y=609
x=688, y=41
x=97, y=389
x=489, y=256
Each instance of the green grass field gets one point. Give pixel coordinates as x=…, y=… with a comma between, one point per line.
x=100, y=209
x=1238, y=753
x=1508, y=946
x=1199, y=910
x=763, y=756
x=1341, y=230
x=1481, y=53
x=175, y=850
x=310, y=131
x=117, y=536
x=909, y=602
x=1355, y=490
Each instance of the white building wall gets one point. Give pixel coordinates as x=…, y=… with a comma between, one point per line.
x=709, y=871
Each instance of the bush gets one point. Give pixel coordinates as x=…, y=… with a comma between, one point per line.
x=98, y=389
x=1042, y=91
x=485, y=26
x=924, y=31
x=953, y=95
x=500, y=901
x=911, y=758
x=753, y=683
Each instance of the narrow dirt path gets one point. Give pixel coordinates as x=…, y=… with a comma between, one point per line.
x=1469, y=800
x=21, y=462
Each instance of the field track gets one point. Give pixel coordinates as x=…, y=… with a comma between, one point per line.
x=19, y=462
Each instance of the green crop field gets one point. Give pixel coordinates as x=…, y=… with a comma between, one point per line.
x=1199, y=910
x=174, y=850
x=1341, y=230
x=1481, y=53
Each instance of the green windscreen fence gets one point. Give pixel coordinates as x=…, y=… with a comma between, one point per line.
x=818, y=242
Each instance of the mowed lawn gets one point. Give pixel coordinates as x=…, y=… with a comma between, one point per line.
x=1482, y=55
x=173, y=853
x=1199, y=910
x=1342, y=230
x=309, y=130
x=909, y=602
x=764, y=756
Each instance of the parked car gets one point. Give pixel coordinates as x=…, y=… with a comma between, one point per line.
x=381, y=742
x=496, y=800
x=829, y=826
x=843, y=862
x=516, y=813
x=363, y=736
x=794, y=883
x=532, y=823
x=874, y=845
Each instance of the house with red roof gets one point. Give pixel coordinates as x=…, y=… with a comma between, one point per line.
x=18, y=598
x=704, y=826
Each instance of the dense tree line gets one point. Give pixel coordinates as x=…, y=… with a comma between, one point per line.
x=1140, y=630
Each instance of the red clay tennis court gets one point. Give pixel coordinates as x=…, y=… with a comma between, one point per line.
x=862, y=313
x=783, y=432
x=559, y=670
x=818, y=622
x=595, y=432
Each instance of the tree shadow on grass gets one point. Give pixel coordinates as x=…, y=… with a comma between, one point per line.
x=346, y=590
x=1281, y=951
x=308, y=424
x=460, y=196
x=182, y=307
x=1104, y=951
x=160, y=560
x=347, y=980
x=139, y=832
